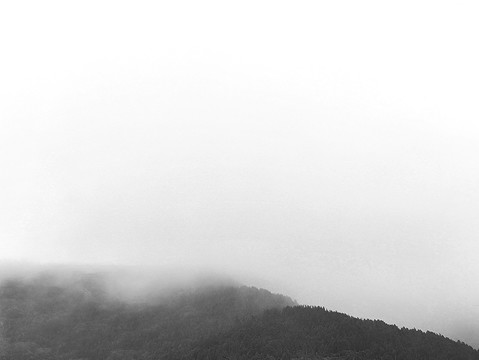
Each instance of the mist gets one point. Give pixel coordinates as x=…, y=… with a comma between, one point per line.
x=326, y=151
x=125, y=284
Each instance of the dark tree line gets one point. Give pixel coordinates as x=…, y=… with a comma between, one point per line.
x=41, y=320
x=314, y=333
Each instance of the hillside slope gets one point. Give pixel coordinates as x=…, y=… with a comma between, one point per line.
x=304, y=332
x=45, y=319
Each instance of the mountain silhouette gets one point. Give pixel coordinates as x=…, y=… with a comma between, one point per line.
x=79, y=318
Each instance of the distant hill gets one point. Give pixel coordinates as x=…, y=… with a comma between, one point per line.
x=51, y=318
x=79, y=318
x=305, y=332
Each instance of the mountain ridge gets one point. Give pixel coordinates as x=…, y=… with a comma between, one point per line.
x=79, y=319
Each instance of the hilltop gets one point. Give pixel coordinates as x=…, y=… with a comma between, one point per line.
x=78, y=317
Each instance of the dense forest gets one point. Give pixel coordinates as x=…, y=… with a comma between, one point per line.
x=44, y=319
x=307, y=332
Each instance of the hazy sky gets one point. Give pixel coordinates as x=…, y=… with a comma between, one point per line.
x=327, y=148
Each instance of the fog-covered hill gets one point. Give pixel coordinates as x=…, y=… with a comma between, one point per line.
x=77, y=316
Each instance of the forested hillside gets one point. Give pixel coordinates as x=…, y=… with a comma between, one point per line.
x=44, y=319
x=307, y=332
x=80, y=320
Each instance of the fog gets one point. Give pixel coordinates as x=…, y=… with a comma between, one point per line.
x=324, y=150
x=126, y=284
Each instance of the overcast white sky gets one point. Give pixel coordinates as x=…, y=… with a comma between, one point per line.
x=328, y=148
